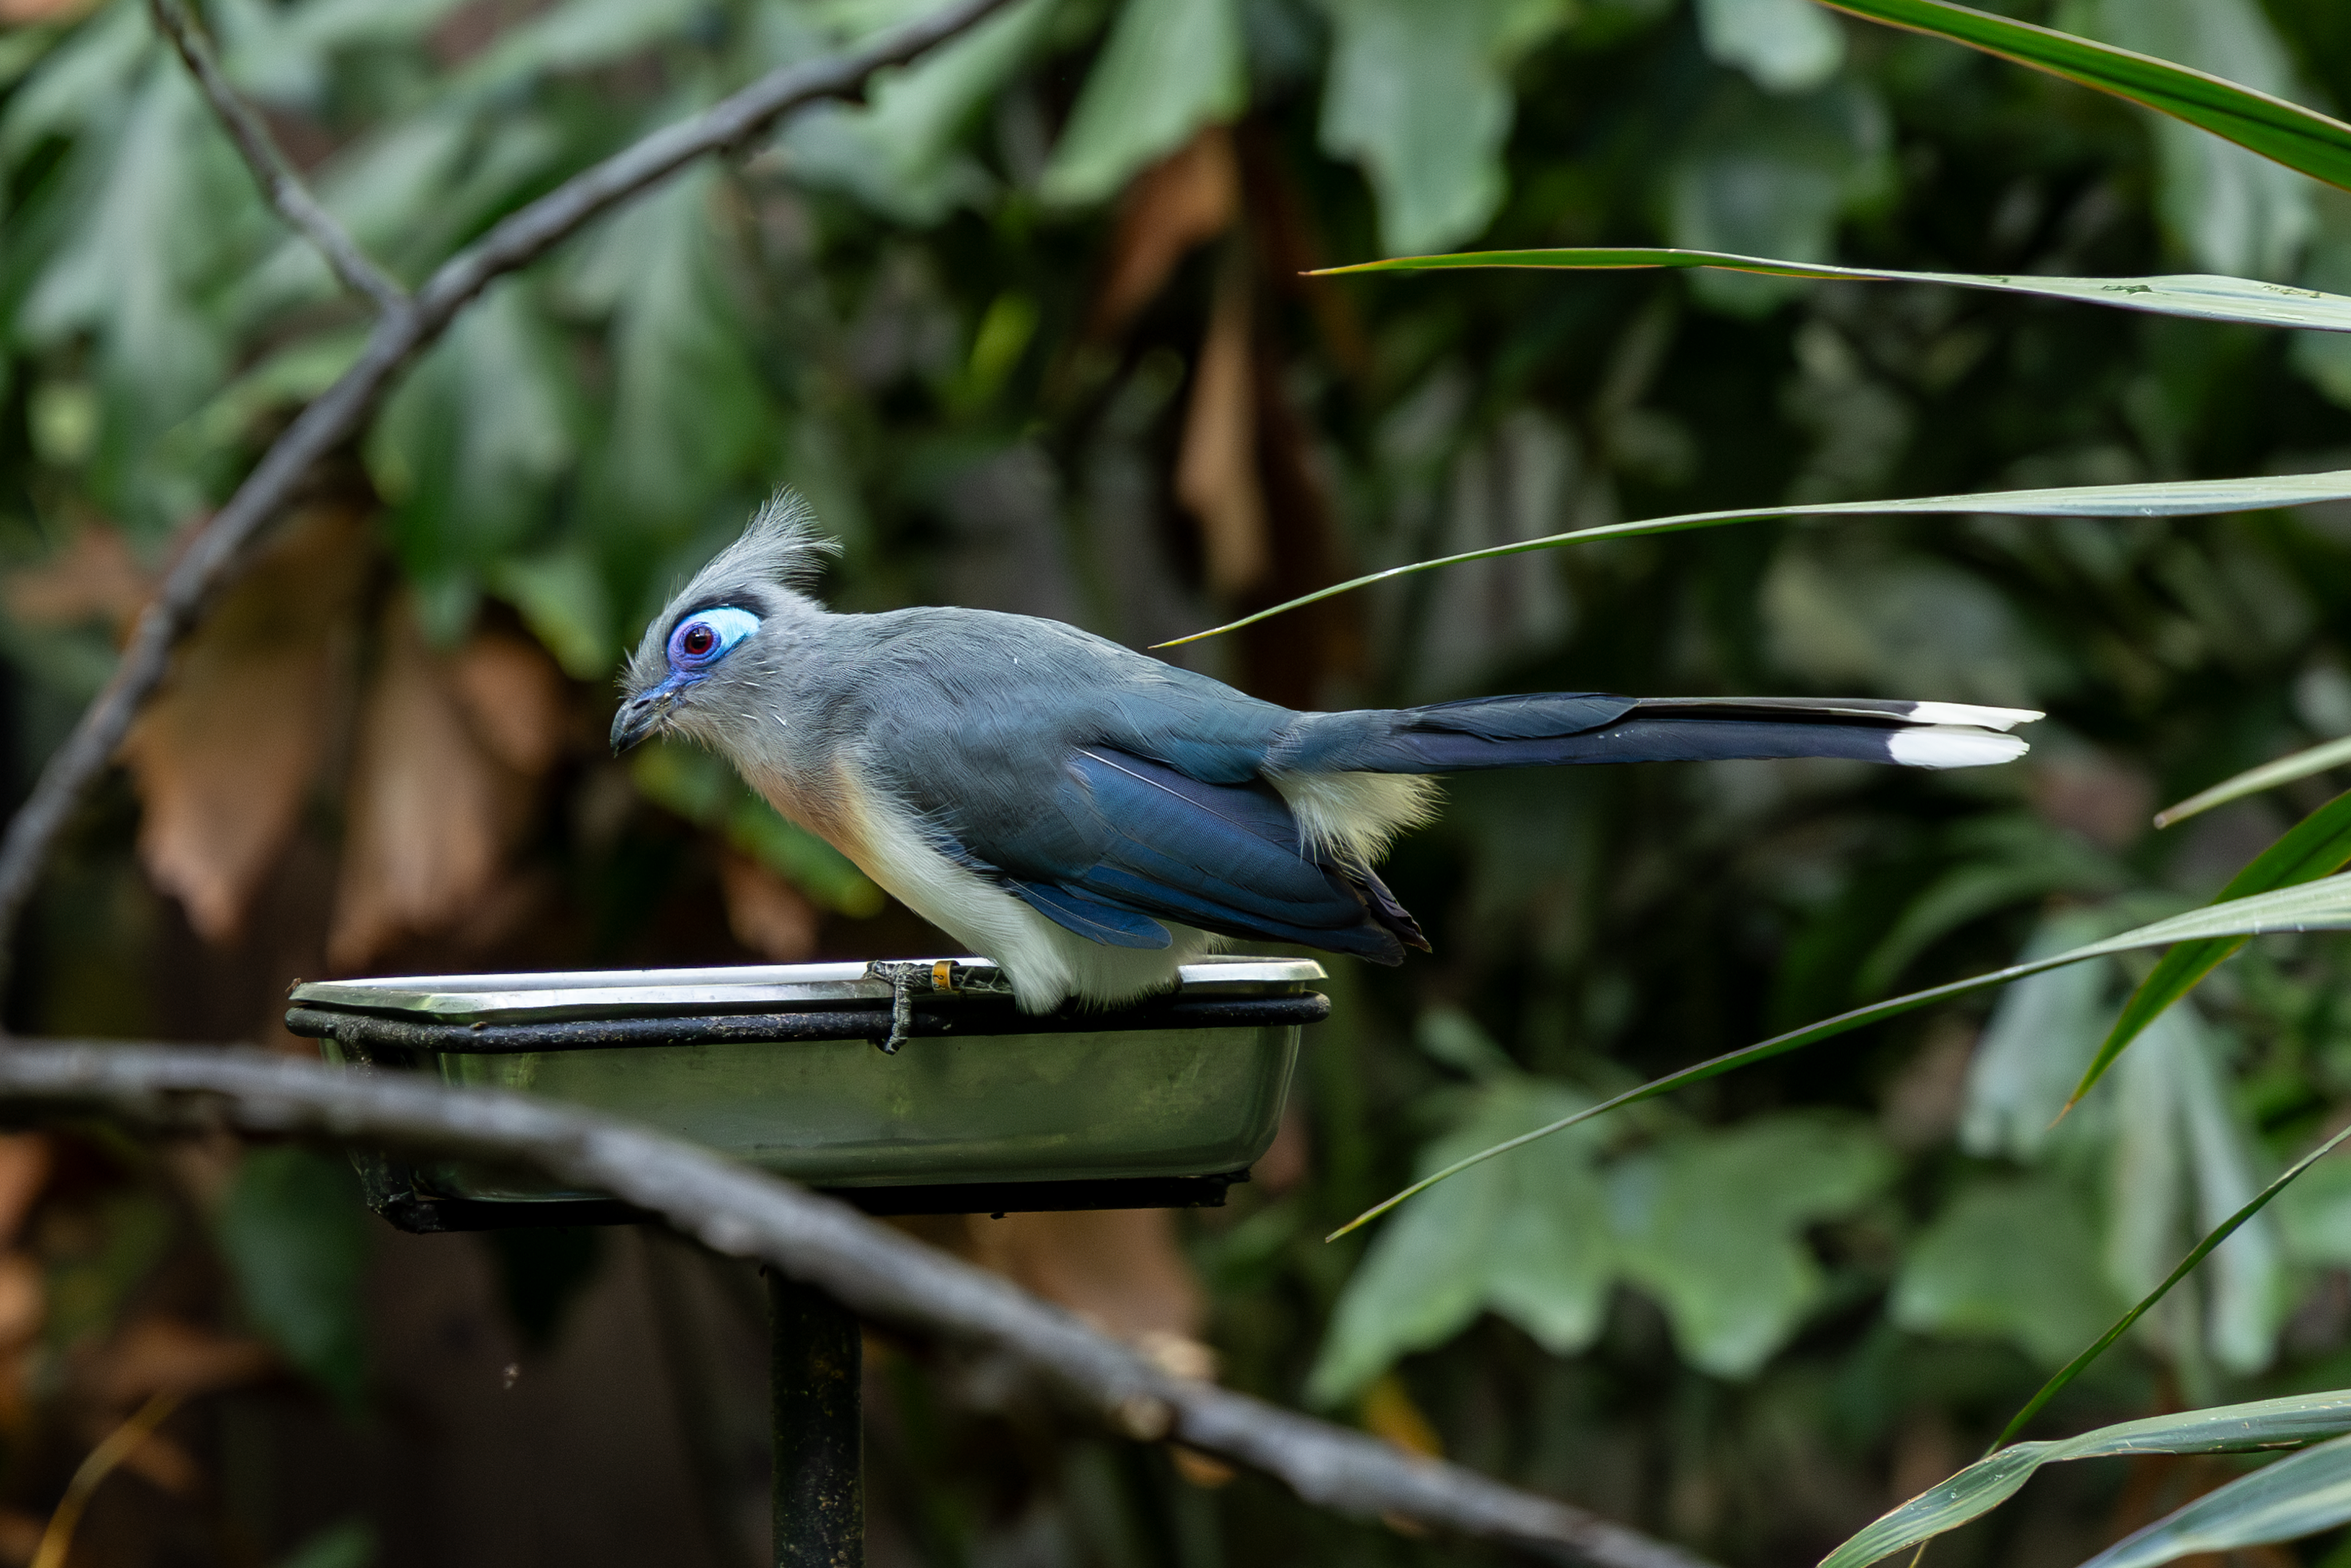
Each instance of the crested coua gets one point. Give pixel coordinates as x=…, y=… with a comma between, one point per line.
x=1089, y=818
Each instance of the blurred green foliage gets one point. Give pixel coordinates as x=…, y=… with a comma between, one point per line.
x=294, y=1235
x=1744, y=1317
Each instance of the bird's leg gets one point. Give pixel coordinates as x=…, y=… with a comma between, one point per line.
x=903, y=978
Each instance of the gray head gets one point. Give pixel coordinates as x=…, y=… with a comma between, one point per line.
x=707, y=654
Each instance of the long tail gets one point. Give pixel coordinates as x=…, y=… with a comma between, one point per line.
x=1551, y=729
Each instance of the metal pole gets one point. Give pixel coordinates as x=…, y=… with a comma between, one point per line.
x=813, y=1375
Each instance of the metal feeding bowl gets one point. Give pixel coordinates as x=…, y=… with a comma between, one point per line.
x=973, y=1107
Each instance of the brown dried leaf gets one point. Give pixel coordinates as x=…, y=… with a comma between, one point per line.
x=20, y=1535
x=222, y=758
x=1203, y=1471
x=1388, y=1412
x=157, y=1355
x=2098, y=796
x=514, y=696
x=94, y=578
x=22, y=12
x=1182, y=202
x=430, y=810
x=205, y=1166
x=1923, y=1103
x=1289, y=1158
x=1119, y=1268
x=25, y=1160
x=1177, y=1355
x=1216, y=471
x=161, y=1463
x=766, y=912
x=24, y=1299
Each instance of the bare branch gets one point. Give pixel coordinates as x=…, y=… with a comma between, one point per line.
x=881, y=1274
x=519, y=239
x=270, y=171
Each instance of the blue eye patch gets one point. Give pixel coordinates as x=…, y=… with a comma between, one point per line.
x=702, y=637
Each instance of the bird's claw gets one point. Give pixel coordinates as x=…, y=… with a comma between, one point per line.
x=908, y=978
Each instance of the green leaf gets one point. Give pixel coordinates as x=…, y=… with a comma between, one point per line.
x=2315, y=1215
x=1450, y=1036
x=164, y=192
x=579, y=36
x=2323, y=905
x=689, y=416
x=288, y=377
x=2253, y=781
x=2323, y=358
x=2186, y=1266
x=2233, y=210
x=565, y=601
x=286, y=54
x=2183, y=1161
x=22, y=49
x=2165, y=498
x=1530, y=1244
x=683, y=779
x=392, y=191
x=1712, y=1224
x=2319, y=845
x=2299, y=138
x=1416, y=94
x=1840, y=608
x=89, y=1292
x=801, y=858
x=2042, y=1031
x=2300, y=1495
x=81, y=85
x=1982, y=1486
x=1170, y=67
x=351, y=1544
x=2014, y=1260
x=1786, y=46
x=2032, y=866
x=295, y=1236
x=900, y=153
x=469, y=448
x=1771, y=176
x=2201, y=298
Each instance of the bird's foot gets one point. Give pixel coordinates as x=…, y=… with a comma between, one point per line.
x=908, y=978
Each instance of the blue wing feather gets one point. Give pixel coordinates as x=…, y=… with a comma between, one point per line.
x=1123, y=843
x=1091, y=917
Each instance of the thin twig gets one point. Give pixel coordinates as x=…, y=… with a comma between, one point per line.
x=213, y=557
x=882, y=1275
x=270, y=170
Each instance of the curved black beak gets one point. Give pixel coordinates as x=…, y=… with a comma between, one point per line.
x=639, y=717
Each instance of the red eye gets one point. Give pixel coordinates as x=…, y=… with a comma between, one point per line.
x=698, y=641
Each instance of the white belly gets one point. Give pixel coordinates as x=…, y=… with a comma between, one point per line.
x=1047, y=964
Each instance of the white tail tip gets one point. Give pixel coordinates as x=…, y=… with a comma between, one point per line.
x=1953, y=745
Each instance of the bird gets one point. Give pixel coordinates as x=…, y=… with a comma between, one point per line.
x=1089, y=818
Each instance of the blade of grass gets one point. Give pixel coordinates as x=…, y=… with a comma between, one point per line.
x=2319, y=845
x=2202, y=1251
x=57, y=1539
x=2301, y=138
x=2322, y=906
x=1984, y=1485
x=2165, y=498
x=2200, y=295
x=2300, y=1495
x=2253, y=781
